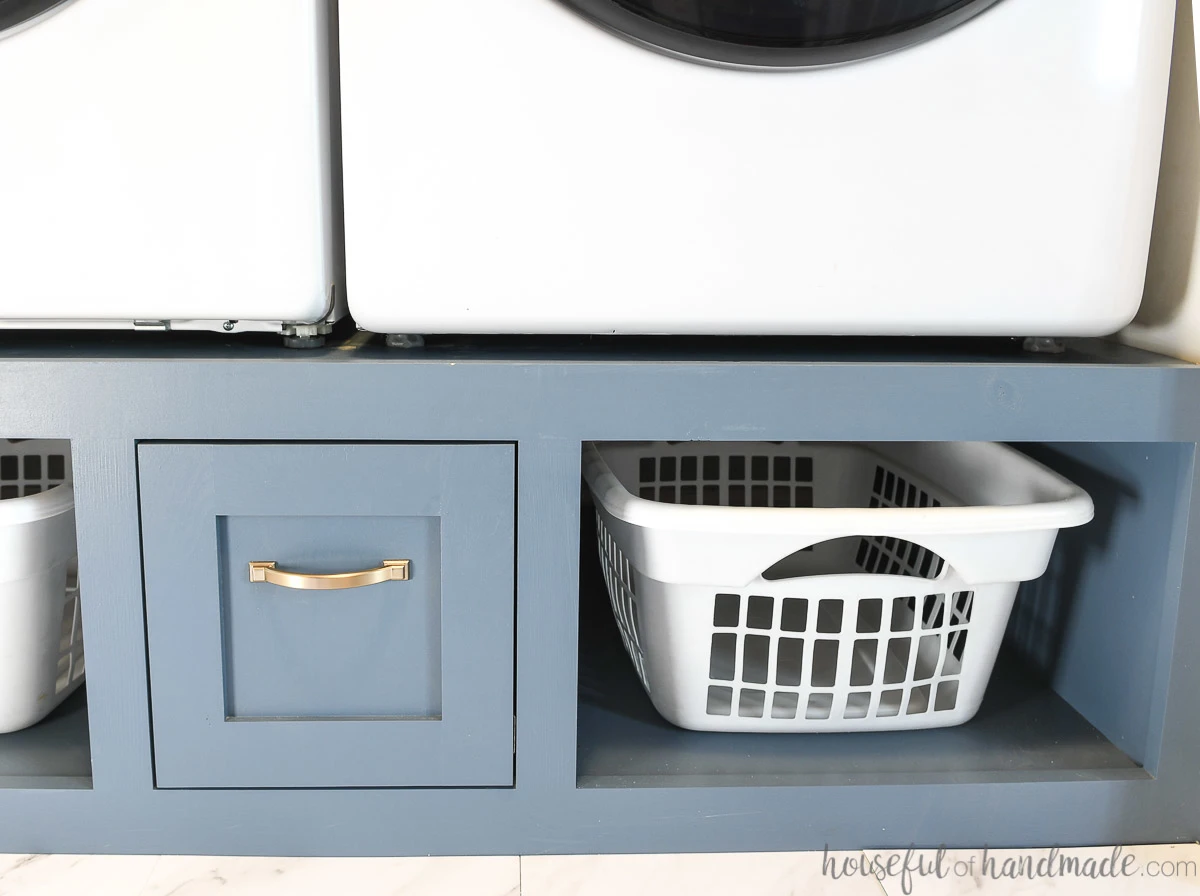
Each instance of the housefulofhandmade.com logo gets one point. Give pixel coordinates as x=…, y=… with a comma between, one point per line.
x=1049, y=864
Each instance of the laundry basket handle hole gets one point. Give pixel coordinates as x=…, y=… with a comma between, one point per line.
x=855, y=554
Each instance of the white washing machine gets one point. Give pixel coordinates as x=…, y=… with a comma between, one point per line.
x=751, y=166
x=170, y=164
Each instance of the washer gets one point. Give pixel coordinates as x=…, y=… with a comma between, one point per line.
x=170, y=164
x=966, y=167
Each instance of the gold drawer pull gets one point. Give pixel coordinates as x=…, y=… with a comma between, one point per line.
x=265, y=571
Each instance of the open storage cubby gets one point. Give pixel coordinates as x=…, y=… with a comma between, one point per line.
x=1077, y=693
x=44, y=741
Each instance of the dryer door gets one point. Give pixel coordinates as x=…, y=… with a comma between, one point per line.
x=15, y=13
x=778, y=33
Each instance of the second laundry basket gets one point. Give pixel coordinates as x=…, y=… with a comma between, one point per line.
x=825, y=586
x=41, y=641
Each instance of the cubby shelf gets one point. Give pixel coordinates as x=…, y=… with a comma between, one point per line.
x=53, y=754
x=1071, y=697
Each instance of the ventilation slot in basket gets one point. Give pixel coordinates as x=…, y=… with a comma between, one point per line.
x=70, y=645
x=740, y=480
x=619, y=578
x=22, y=475
x=895, y=556
x=784, y=658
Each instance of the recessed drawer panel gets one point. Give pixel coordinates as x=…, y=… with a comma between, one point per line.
x=329, y=615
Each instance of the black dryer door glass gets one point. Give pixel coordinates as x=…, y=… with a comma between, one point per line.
x=779, y=33
x=18, y=12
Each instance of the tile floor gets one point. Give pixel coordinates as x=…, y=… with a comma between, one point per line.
x=761, y=874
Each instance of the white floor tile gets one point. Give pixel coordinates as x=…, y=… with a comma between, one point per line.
x=201, y=876
x=1152, y=871
x=25, y=875
x=760, y=874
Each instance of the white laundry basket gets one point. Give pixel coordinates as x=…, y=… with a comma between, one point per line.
x=820, y=587
x=41, y=645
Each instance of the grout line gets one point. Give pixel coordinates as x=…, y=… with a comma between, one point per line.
x=149, y=874
x=878, y=882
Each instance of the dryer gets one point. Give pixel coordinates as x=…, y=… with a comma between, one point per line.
x=965, y=167
x=170, y=164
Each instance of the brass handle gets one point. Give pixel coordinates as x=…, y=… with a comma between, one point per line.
x=265, y=571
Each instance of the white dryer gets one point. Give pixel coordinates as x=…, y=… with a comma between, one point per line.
x=751, y=166
x=169, y=164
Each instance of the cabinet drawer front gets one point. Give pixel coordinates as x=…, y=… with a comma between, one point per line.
x=289, y=644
